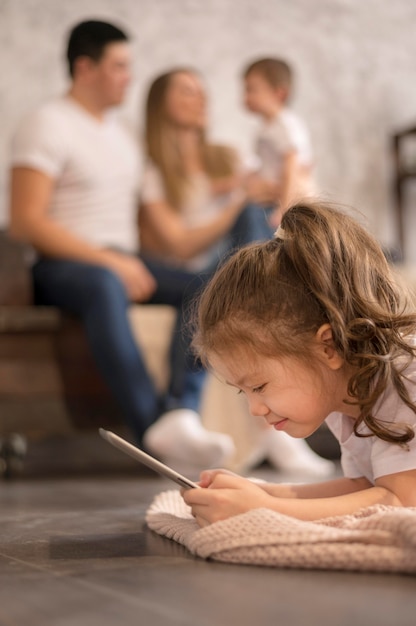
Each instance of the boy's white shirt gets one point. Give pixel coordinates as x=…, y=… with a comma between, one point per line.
x=372, y=457
x=285, y=133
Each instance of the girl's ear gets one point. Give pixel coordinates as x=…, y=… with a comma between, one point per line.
x=326, y=348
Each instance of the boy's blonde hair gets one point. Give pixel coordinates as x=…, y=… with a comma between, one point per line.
x=219, y=161
x=276, y=72
x=271, y=298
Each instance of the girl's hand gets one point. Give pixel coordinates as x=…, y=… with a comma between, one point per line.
x=225, y=495
x=208, y=476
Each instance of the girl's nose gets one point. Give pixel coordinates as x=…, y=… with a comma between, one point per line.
x=256, y=407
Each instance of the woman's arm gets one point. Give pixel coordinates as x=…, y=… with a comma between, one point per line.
x=183, y=241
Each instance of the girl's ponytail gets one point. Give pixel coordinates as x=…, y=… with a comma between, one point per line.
x=344, y=269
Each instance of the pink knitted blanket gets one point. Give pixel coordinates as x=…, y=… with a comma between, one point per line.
x=378, y=538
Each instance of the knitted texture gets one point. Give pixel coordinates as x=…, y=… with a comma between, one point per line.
x=378, y=538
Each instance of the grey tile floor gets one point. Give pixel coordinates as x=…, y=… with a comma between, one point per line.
x=76, y=551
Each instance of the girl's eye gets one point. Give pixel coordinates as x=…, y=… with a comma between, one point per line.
x=258, y=389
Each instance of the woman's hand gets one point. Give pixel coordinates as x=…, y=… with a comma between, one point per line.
x=261, y=191
x=225, y=184
x=225, y=495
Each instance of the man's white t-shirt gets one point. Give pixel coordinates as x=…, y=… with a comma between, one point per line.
x=372, y=457
x=199, y=208
x=95, y=167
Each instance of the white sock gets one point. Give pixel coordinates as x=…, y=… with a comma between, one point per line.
x=294, y=455
x=179, y=437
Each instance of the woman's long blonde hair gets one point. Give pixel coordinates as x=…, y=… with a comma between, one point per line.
x=323, y=268
x=218, y=161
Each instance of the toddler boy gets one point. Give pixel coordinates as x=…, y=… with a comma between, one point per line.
x=283, y=144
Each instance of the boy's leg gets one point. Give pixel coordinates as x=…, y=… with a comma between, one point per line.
x=98, y=298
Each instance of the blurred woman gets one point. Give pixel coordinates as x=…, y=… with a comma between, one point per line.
x=194, y=212
x=192, y=198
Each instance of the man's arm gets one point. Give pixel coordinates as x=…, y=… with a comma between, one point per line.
x=31, y=192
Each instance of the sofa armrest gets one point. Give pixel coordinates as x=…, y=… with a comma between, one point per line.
x=19, y=319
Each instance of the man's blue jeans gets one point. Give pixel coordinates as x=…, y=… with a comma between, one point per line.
x=97, y=296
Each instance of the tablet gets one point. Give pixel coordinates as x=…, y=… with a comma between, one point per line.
x=147, y=460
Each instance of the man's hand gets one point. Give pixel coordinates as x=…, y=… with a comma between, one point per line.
x=138, y=281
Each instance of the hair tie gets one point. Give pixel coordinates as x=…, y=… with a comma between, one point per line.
x=280, y=233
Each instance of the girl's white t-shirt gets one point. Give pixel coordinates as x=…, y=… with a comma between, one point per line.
x=95, y=166
x=372, y=457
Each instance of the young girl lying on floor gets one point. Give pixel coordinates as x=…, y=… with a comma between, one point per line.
x=312, y=327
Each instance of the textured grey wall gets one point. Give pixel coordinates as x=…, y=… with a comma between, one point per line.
x=354, y=61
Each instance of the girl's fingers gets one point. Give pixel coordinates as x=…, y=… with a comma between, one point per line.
x=194, y=497
x=208, y=476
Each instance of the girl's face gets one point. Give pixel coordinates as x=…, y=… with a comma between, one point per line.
x=289, y=395
x=186, y=101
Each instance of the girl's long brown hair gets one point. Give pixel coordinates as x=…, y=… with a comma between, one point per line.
x=161, y=148
x=324, y=268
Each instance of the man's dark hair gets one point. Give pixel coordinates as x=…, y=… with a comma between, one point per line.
x=89, y=39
